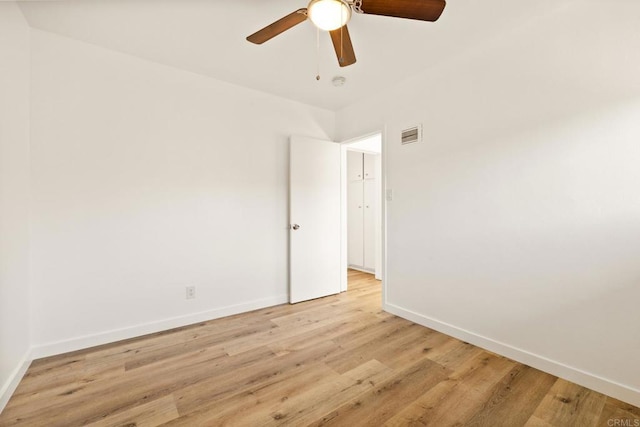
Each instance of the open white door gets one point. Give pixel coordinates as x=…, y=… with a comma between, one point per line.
x=314, y=213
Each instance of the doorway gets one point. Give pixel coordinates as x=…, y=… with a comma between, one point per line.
x=362, y=209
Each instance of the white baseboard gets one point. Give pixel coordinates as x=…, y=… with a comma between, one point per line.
x=363, y=269
x=82, y=342
x=586, y=379
x=9, y=387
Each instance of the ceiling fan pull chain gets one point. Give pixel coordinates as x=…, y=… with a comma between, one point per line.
x=318, y=53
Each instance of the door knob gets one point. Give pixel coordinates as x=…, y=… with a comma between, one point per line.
x=295, y=226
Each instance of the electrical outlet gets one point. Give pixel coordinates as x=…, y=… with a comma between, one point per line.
x=191, y=292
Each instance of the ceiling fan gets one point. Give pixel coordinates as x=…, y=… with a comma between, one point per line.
x=333, y=16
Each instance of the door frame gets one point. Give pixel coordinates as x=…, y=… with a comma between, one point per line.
x=382, y=264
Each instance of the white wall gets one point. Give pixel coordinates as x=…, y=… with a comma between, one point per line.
x=14, y=198
x=147, y=179
x=516, y=223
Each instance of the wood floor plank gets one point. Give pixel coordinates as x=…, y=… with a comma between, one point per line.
x=623, y=405
x=338, y=360
x=197, y=340
x=135, y=387
x=388, y=397
x=368, y=345
x=514, y=399
x=455, y=400
x=282, y=333
x=537, y=422
x=568, y=404
x=310, y=338
x=272, y=370
x=308, y=401
x=40, y=376
x=314, y=403
x=416, y=345
x=151, y=414
x=48, y=395
x=417, y=412
x=453, y=353
x=255, y=397
x=613, y=414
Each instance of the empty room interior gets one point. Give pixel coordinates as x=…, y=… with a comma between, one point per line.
x=335, y=212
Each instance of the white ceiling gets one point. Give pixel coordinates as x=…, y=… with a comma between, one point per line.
x=208, y=37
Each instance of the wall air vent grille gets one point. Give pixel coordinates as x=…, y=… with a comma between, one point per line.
x=411, y=135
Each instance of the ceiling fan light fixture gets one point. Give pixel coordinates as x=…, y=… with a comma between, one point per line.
x=329, y=15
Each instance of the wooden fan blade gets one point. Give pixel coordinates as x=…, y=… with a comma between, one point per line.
x=424, y=10
x=280, y=26
x=343, y=47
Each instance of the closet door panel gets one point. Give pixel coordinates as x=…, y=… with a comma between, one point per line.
x=355, y=223
x=369, y=166
x=354, y=166
x=369, y=224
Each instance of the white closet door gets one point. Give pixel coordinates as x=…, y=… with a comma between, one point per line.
x=369, y=224
x=354, y=166
x=355, y=225
x=369, y=167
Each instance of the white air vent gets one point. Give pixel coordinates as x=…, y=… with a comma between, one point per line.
x=411, y=135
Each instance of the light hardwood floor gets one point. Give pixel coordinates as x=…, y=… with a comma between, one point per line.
x=338, y=360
